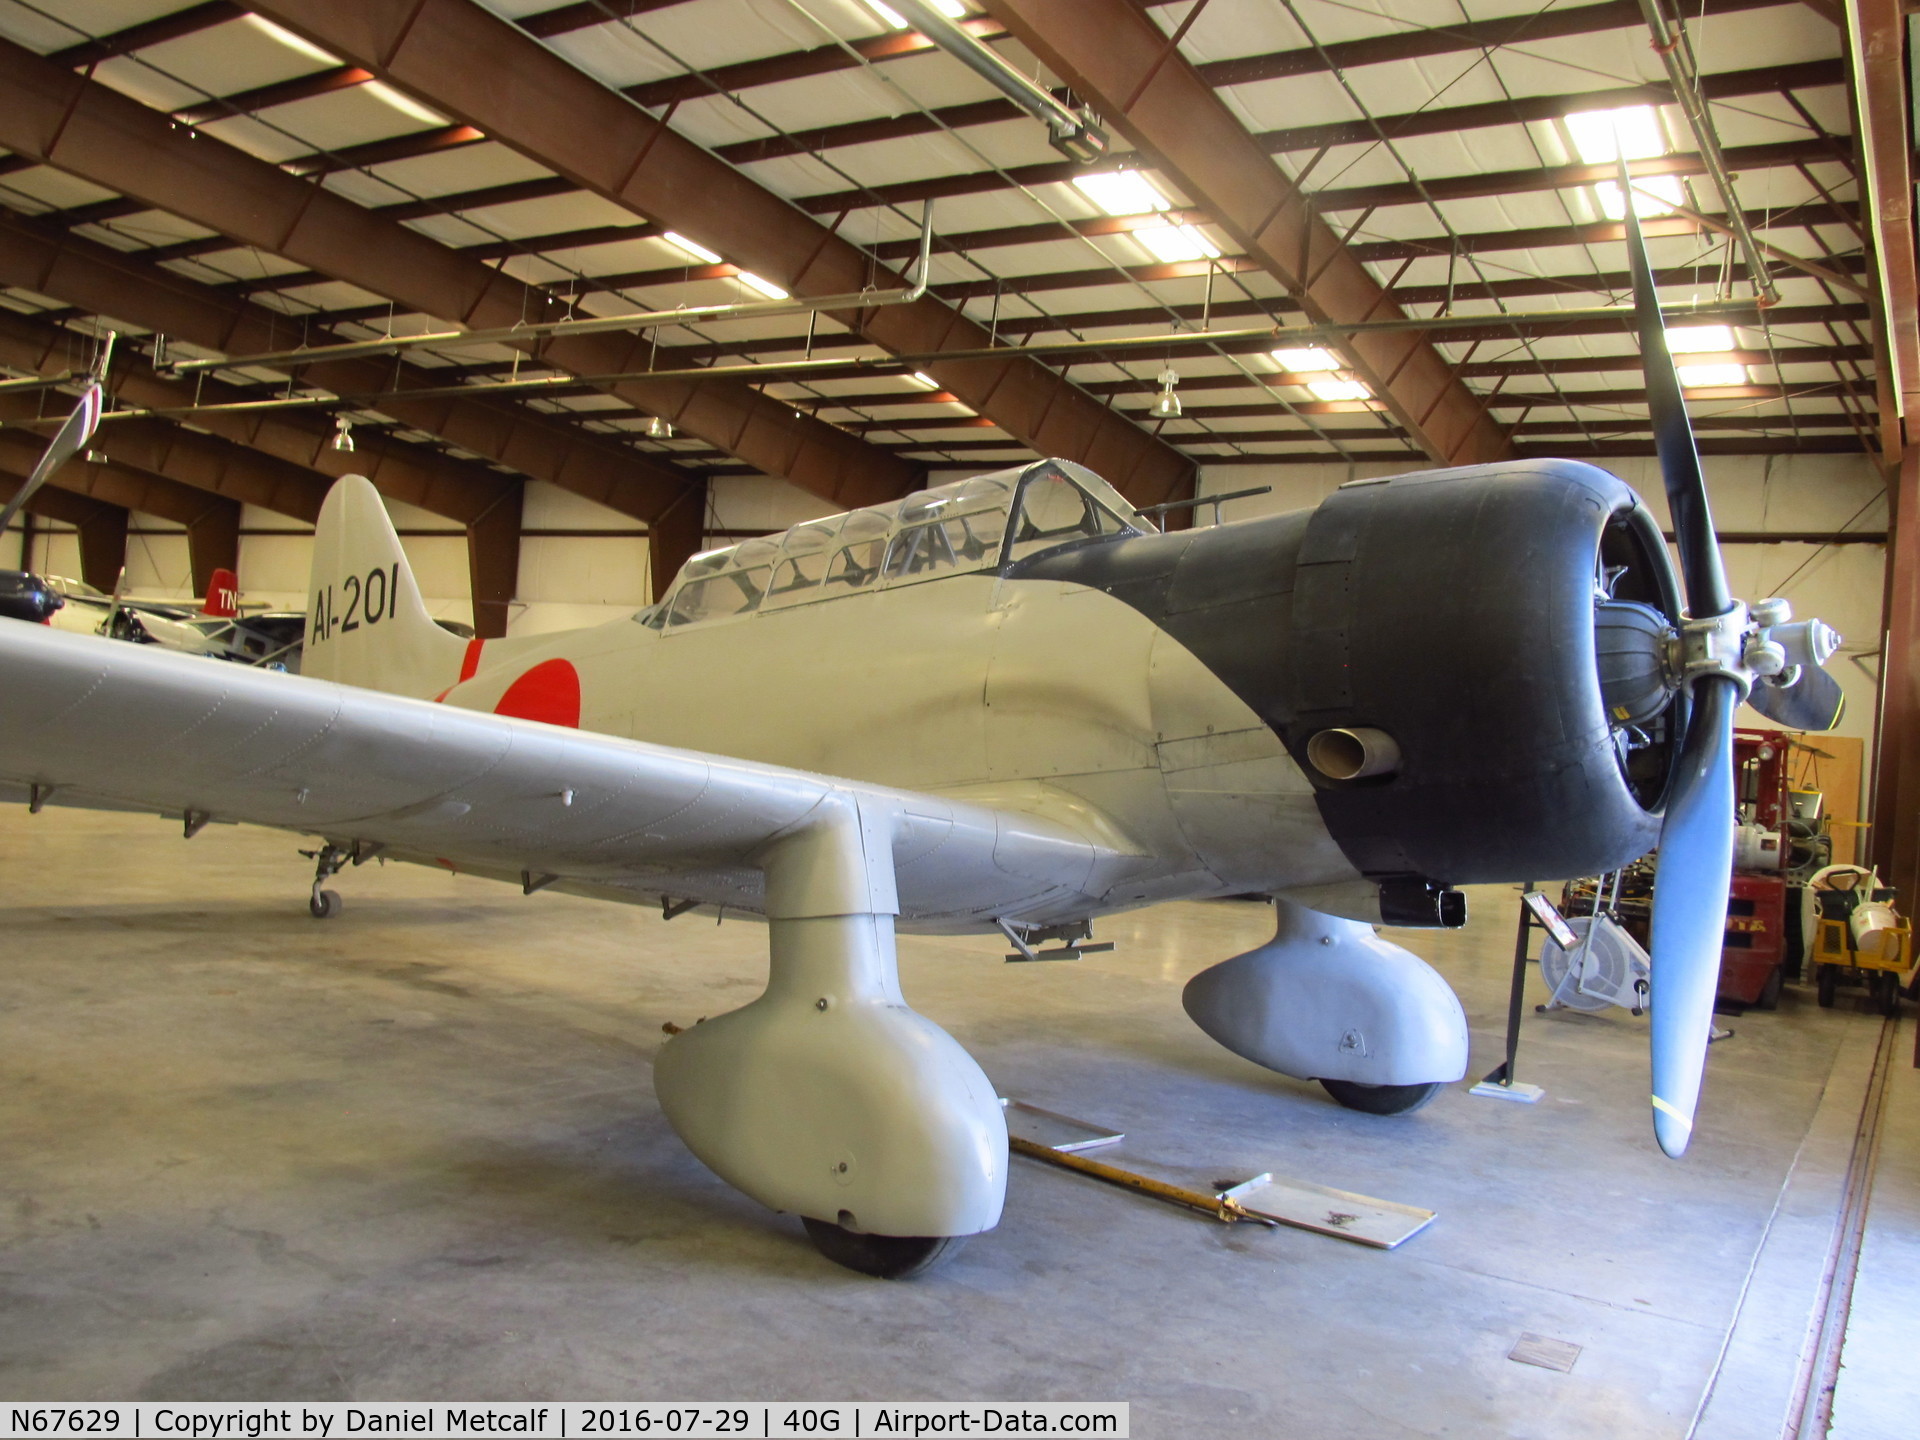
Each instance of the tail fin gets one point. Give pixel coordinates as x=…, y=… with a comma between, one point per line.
x=366, y=623
x=223, y=595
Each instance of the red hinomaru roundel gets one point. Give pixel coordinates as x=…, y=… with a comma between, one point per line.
x=549, y=692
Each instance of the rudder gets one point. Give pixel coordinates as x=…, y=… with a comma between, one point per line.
x=366, y=622
x=223, y=595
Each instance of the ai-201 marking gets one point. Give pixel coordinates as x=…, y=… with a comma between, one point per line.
x=369, y=601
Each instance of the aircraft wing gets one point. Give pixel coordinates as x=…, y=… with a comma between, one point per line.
x=92, y=722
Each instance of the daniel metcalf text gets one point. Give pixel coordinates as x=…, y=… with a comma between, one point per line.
x=588, y=1420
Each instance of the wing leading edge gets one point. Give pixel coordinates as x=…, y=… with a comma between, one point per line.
x=92, y=721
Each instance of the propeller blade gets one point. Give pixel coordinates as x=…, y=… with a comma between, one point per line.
x=67, y=442
x=1700, y=563
x=1812, y=702
x=1690, y=909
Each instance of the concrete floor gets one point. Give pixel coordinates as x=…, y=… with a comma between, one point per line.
x=412, y=1153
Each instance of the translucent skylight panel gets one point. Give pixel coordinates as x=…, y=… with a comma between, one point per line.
x=299, y=44
x=1699, y=339
x=1631, y=132
x=1697, y=377
x=1171, y=243
x=1306, y=362
x=1122, y=192
x=1339, y=390
x=1652, y=195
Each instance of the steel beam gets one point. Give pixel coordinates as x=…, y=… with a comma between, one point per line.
x=1345, y=55
x=473, y=65
x=1117, y=59
x=1454, y=119
x=89, y=130
x=114, y=482
x=109, y=282
x=1432, y=121
x=796, y=65
x=213, y=543
x=565, y=19
x=297, y=458
x=1896, y=750
x=177, y=25
x=212, y=523
x=1078, y=322
x=1453, y=187
x=192, y=461
x=1878, y=31
x=675, y=538
x=493, y=563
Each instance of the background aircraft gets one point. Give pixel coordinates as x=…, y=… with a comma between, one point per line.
x=1011, y=703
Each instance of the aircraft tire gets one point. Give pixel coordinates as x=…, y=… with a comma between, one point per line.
x=887, y=1257
x=1381, y=1099
x=325, y=904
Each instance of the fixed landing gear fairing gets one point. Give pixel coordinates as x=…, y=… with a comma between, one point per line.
x=1008, y=702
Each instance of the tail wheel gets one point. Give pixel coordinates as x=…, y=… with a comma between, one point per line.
x=887, y=1257
x=1381, y=1099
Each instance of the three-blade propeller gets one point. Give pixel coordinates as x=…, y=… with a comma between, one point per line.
x=1727, y=653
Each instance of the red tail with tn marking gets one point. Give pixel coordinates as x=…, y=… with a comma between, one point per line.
x=223, y=596
x=366, y=622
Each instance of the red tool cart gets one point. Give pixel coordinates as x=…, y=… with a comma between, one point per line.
x=1754, y=948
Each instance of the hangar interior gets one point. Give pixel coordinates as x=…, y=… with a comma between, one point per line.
x=413, y=1152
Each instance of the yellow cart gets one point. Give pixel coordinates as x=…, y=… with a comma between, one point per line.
x=1885, y=962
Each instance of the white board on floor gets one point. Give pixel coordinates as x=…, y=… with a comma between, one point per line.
x=1383, y=1224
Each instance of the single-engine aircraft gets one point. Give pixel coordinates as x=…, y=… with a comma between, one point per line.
x=1011, y=703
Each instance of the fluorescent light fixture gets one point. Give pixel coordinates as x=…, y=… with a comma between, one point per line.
x=292, y=41
x=765, y=287
x=1699, y=339
x=924, y=380
x=1652, y=195
x=1701, y=377
x=1306, y=362
x=1121, y=192
x=1339, y=390
x=1603, y=136
x=689, y=247
x=405, y=104
x=1177, y=242
x=894, y=20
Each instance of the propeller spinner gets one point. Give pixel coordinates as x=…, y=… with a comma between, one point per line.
x=1727, y=652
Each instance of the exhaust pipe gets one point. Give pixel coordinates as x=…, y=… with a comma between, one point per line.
x=1353, y=754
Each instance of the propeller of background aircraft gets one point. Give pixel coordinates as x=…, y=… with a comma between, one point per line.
x=68, y=441
x=1726, y=652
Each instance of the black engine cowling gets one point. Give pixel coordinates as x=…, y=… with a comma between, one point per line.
x=1454, y=611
